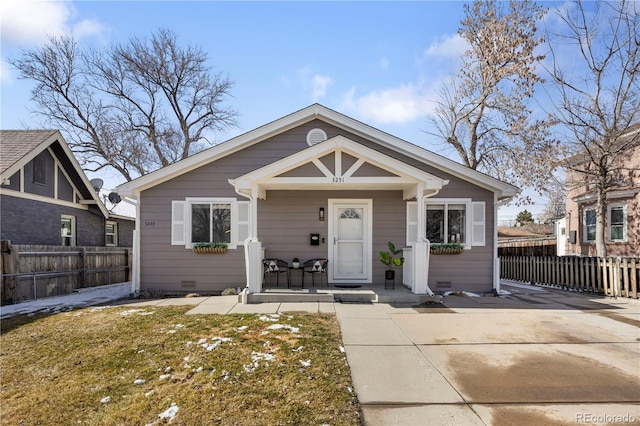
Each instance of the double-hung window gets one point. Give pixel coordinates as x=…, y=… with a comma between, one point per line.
x=68, y=230
x=209, y=220
x=111, y=233
x=617, y=223
x=449, y=220
x=589, y=224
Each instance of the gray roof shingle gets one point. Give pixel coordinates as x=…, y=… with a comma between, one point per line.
x=16, y=144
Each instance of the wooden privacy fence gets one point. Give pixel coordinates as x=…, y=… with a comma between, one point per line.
x=618, y=277
x=34, y=271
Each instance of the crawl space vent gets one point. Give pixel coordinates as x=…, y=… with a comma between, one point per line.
x=316, y=136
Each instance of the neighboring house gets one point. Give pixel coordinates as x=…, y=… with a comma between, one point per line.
x=622, y=220
x=315, y=184
x=532, y=239
x=46, y=199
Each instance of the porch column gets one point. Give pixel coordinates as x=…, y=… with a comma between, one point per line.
x=421, y=250
x=253, y=248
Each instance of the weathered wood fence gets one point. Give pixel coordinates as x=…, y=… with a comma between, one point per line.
x=33, y=271
x=611, y=276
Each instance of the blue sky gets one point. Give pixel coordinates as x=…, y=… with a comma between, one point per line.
x=379, y=62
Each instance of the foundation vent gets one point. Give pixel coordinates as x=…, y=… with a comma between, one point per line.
x=188, y=284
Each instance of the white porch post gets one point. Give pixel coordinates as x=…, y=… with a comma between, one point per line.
x=421, y=251
x=253, y=249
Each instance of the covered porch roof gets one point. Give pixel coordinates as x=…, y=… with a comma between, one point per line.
x=338, y=163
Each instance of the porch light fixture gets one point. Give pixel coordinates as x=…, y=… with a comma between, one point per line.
x=321, y=214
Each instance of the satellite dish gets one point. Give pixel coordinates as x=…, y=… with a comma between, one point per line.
x=97, y=184
x=114, y=198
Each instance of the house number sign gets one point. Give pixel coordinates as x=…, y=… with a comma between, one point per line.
x=148, y=223
x=338, y=179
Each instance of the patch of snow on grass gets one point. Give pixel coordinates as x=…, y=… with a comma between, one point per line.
x=243, y=328
x=106, y=400
x=170, y=413
x=217, y=341
x=256, y=358
x=341, y=348
x=164, y=376
x=269, y=318
x=284, y=326
x=298, y=349
x=306, y=363
x=139, y=382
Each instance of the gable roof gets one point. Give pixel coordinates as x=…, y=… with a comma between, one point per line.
x=312, y=112
x=19, y=147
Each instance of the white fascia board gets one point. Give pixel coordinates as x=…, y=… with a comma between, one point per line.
x=15, y=167
x=57, y=136
x=400, y=145
x=134, y=187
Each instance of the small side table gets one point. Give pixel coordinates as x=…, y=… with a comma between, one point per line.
x=291, y=282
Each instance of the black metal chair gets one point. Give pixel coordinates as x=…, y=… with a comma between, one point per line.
x=275, y=267
x=315, y=267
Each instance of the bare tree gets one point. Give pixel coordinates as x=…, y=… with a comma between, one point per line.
x=482, y=112
x=134, y=107
x=556, y=193
x=600, y=108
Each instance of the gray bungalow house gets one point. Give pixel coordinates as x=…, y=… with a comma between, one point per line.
x=46, y=199
x=315, y=184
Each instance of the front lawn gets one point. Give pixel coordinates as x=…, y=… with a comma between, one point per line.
x=155, y=365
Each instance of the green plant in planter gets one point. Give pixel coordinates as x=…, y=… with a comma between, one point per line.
x=447, y=248
x=211, y=245
x=390, y=259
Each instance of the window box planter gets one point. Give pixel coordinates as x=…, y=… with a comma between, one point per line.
x=210, y=248
x=447, y=248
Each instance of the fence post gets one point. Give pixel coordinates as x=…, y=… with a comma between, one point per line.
x=8, y=261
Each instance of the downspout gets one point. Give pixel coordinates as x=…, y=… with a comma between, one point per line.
x=496, y=260
x=135, y=278
x=252, y=246
x=422, y=246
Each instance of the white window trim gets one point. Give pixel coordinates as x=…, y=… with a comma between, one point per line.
x=115, y=234
x=625, y=222
x=468, y=213
x=211, y=200
x=585, y=231
x=73, y=229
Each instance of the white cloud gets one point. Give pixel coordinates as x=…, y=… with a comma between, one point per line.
x=448, y=46
x=320, y=84
x=29, y=21
x=32, y=21
x=396, y=105
x=5, y=72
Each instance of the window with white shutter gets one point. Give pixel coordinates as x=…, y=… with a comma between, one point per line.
x=478, y=224
x=178, y=223
x=412, y=222
x=243, y=221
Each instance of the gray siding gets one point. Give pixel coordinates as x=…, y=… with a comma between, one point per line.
x=286, y=218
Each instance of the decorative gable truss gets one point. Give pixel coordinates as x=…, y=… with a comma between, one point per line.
x=338, y=164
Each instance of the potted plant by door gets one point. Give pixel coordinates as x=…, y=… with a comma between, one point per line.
x=389, y=259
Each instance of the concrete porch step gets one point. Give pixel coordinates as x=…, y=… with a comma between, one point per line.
x=289, y=297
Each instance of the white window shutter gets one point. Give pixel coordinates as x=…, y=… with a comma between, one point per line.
x=478, y=224
x=412, y=222
x=178, y=223
x=244, y=218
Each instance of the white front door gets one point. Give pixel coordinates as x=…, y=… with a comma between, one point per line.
x=350, y=226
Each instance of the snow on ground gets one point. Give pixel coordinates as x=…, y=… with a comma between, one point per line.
x=80, y=299
x=284, y=326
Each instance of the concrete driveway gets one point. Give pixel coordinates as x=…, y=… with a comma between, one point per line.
x=534, y=357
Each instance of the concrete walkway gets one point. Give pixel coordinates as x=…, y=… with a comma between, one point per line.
x=535, y=356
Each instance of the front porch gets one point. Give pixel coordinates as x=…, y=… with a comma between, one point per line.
x=367, y=293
